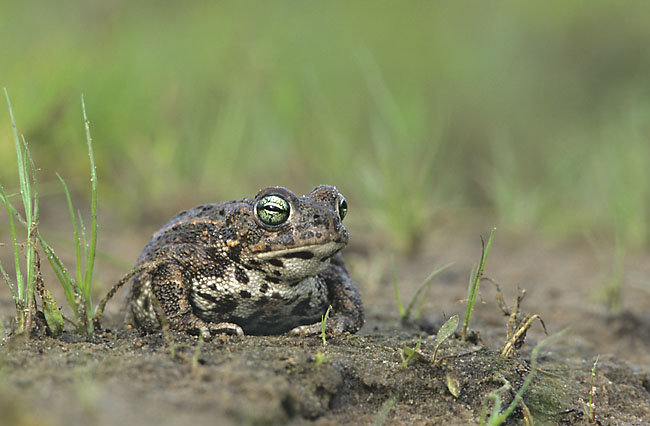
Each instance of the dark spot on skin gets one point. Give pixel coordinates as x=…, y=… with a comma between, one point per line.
x=264, y=288
x=234, y=253
x=329, y=256
x=276, y=262
x=318, y=235
x=276, y=296
x=277, y=273
x=248, y=267
x=211, y=252
x=255, y=262
x=308, y=235
x=212, y=270
x=301, y=308
x=261, y=301
x=294, y=283
x=227, y=304
x=273, y=280
x=241, y=275
x=245, y=294
x=207, y=296
x=147, y=304
x=299, y=255
x=292, y=300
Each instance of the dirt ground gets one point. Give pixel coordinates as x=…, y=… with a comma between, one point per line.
x=119, y=376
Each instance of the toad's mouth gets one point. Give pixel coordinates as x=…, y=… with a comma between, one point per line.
x=307, y=252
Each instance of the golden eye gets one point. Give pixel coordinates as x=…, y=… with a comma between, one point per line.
x=342, y=207
x=272, y=210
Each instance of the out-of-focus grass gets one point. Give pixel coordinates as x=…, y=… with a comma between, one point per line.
x=538, y=113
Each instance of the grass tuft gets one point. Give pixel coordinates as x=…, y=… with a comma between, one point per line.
x=25, y=282
x=77, y=291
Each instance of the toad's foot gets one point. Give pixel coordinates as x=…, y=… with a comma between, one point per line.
x=208, y=330
x=336, y=325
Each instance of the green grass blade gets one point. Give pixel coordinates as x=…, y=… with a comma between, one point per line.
x=30, y=199
x=20, y=283
x=5, y=277
x=472, y=291
x=70, y=289
x=90, y=259
x=20, y=161
x=423, y=286
x=323, y=324
x=398, y=298
x=33, y=187
x=20, y=286
x=75, y=228
x=83, y=240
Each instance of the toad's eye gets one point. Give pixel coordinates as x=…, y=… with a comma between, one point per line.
x=342, y=206
x=272, y=210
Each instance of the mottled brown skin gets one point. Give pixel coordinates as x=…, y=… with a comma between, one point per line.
x=222, y=268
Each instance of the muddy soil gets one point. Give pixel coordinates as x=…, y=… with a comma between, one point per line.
x=119, y=376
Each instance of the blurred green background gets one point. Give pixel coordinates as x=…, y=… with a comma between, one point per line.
x=534, y=115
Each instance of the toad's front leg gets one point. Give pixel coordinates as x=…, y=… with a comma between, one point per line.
x=347, y=311
x=173, y=289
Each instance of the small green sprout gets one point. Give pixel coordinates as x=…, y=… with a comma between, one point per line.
x=445, y=331
x=320, y=358
x=398, y=298
x=475, y=279
x=410, y=353
x=323, y=324
x=197, y=353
